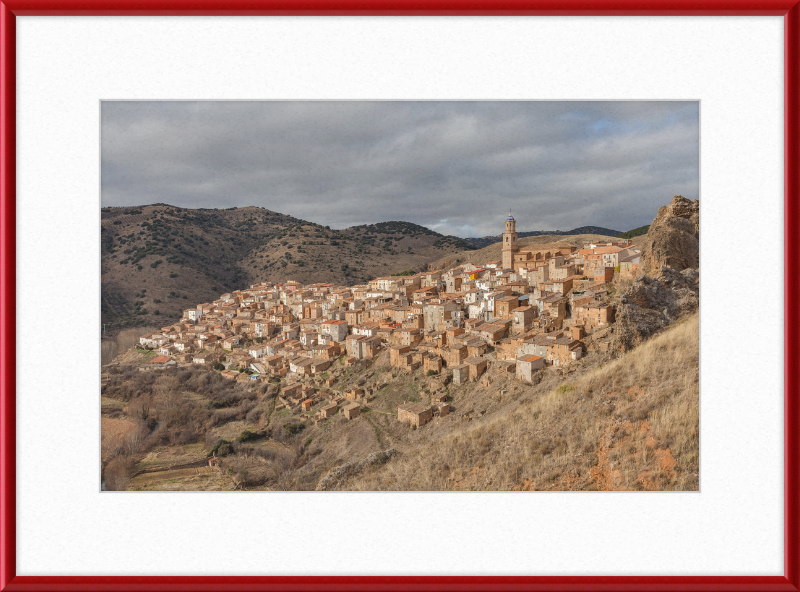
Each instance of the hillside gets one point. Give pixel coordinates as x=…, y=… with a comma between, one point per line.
x=631, y=424
x=635, y=232
x=156, y=260
x=309, y=253
x=624, y=415
x=485, y=241
x=625, y=424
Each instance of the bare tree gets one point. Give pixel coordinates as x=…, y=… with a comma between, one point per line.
x=117, y=474
x=135, y=439
x=139, y=408
x=168, y=396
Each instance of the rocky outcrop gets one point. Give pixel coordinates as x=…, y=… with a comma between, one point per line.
x=668, y=282
x=673, y=239
x=652, y=303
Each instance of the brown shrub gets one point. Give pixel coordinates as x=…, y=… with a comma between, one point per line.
x=117, y=474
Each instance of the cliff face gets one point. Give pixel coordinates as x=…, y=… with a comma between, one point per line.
x=673, y=239
x=668, y=284
x=653, y=303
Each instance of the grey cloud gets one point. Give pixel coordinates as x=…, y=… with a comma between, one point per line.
x=456, y=167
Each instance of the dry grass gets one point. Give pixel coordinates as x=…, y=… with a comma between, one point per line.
x=631, y=424
x=125, y=340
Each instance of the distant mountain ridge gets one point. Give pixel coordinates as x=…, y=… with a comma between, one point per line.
x=485, y=241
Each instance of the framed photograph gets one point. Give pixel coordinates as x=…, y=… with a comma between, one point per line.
x=399, y=297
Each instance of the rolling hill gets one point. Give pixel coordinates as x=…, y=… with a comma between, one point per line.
x=156, y=260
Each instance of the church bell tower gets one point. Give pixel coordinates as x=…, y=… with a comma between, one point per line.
x=510, y=242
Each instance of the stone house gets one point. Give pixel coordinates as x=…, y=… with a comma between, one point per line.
x=563, y=286
x=522, y=319
x=292, y=391
x=492, y=333
x=477, y=366
x=595, y=314
x=238, y=359
x=453, y=284
x=204, y=358
x=538, y=275
x=272, y=362
x=460, y=374
x=436, y=315
x=308, y=338
x=397, y=353
x=355, y=317
x=229, y=342
x=503, y=306
x=319, y=365
x=328, y=411
x=454, y=354
x=527, y=365
x=337, y=330
x=370, y=347
x=555, y=305
x=183, y=346
x=438, y=397
x=453, y=333
x=354, y=393
x=258, y=351
x=536, y=345
x=475, y=346
x=409, y=337
x=368, y=329
x=576, y=331
x=300, y=366
x=431, y=362
x=191, y=314
x=563, y=271
x=415, y=414
x=436, y=339
x=564, y=350
x=603, y=274
x=352, y=410
x=329, y=351
x=628, y=266
x=408, y=362
x=353, y=346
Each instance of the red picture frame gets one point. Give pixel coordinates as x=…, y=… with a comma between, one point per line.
x=789, y=9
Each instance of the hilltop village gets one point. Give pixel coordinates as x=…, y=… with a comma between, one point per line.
x=538, y=306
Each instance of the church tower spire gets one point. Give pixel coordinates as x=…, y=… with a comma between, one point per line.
x=510, y=246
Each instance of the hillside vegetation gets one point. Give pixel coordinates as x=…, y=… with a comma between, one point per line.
x=623, y=416
x=635, y=232
x=156, y=260
x=630, y=423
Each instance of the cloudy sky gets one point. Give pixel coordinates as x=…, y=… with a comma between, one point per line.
x=455, y=167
